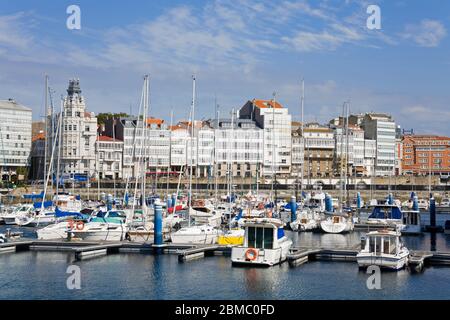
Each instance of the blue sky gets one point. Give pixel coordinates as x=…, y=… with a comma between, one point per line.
x=239, y=50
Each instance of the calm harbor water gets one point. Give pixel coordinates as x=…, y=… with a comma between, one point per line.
x=42, y=275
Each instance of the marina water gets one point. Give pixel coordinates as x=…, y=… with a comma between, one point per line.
x=42, y=275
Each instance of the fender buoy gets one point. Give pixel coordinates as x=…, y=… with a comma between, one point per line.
x=80, y=225
x=251, y=254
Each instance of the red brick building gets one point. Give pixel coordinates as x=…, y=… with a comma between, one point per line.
x=424, y=152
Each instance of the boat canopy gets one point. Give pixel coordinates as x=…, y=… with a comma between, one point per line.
x=38, y=205
x=60, y=214
x=34, y=196
x=280, y=233
x=386, y=212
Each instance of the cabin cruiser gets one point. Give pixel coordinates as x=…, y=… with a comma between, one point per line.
x=104, y=226
x=265, y=243
x=384, y=249
x=21, y=215
x=8, y=215
x=145, y=231
x=411, y=222
x=65, y=222
x=444, y=206
x=204, y=212
x=389, y=215
x=423, y=204
x=316, y=201
x=337, y=223
x=202, y=234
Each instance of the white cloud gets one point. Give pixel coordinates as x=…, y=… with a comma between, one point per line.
x=429, y=33
x=12, y=31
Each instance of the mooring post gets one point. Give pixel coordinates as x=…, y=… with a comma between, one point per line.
x=158, y=232
x=328, y=203
x=293, y=209
x=415, y=206
x=432, y=213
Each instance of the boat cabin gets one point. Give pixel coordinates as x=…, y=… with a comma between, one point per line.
x=411, y=218
x=381, y=242
x=262, y=235
x=386, y=212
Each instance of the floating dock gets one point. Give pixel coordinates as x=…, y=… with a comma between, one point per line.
x=83, y=250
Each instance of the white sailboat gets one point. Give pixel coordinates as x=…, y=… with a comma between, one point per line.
x=337, y=224
x=338, y=221
x=384, y=249
x=197, y=234
x=307, y=220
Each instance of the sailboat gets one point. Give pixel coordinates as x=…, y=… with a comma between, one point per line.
x=197, y=234
x=338, y=221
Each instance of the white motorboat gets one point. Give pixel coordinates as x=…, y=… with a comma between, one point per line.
x=145, y=232
x=22, y=216
x=337, y=223
x=444, y=206
x=411, y=222
x=8, y=215
x=423, y=204
x=55, y=231
x=202, y=234
x=388, y=215
x=109, y=226
x=384, y=249
x=265, y=243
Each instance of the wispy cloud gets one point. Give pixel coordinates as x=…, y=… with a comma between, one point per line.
x=429, y=33
x=12, y=31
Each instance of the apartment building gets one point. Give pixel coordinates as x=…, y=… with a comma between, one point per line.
x=15, y=138
x=422, y=154
x=275, y=121
x=239, y=146
x=381, y=127
x=319, y=151
x=109, y=153
x=78, y=134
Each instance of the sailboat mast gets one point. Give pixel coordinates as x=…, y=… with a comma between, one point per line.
x=46, y=128
x=170, y=148
x=347, y=154
x=144, y=142
x=216, y=183
x=302, y=128
x=192, y=147
x=273, y=149
x=59, y=138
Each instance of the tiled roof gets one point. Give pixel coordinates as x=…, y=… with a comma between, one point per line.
x=266, y=104
x=39, y=136
x=108, y=139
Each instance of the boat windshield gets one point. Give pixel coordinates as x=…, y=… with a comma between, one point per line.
x=260, y=238
x=379, y=245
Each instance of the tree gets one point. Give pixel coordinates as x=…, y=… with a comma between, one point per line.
x=102, y=117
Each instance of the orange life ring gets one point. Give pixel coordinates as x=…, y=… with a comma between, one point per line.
x=251, y=254
x=80, y=225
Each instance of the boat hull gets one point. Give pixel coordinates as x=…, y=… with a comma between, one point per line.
x=194, y=238
x=265, y=257
x=9, y=220
x=392, y=263
x=341, y=227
